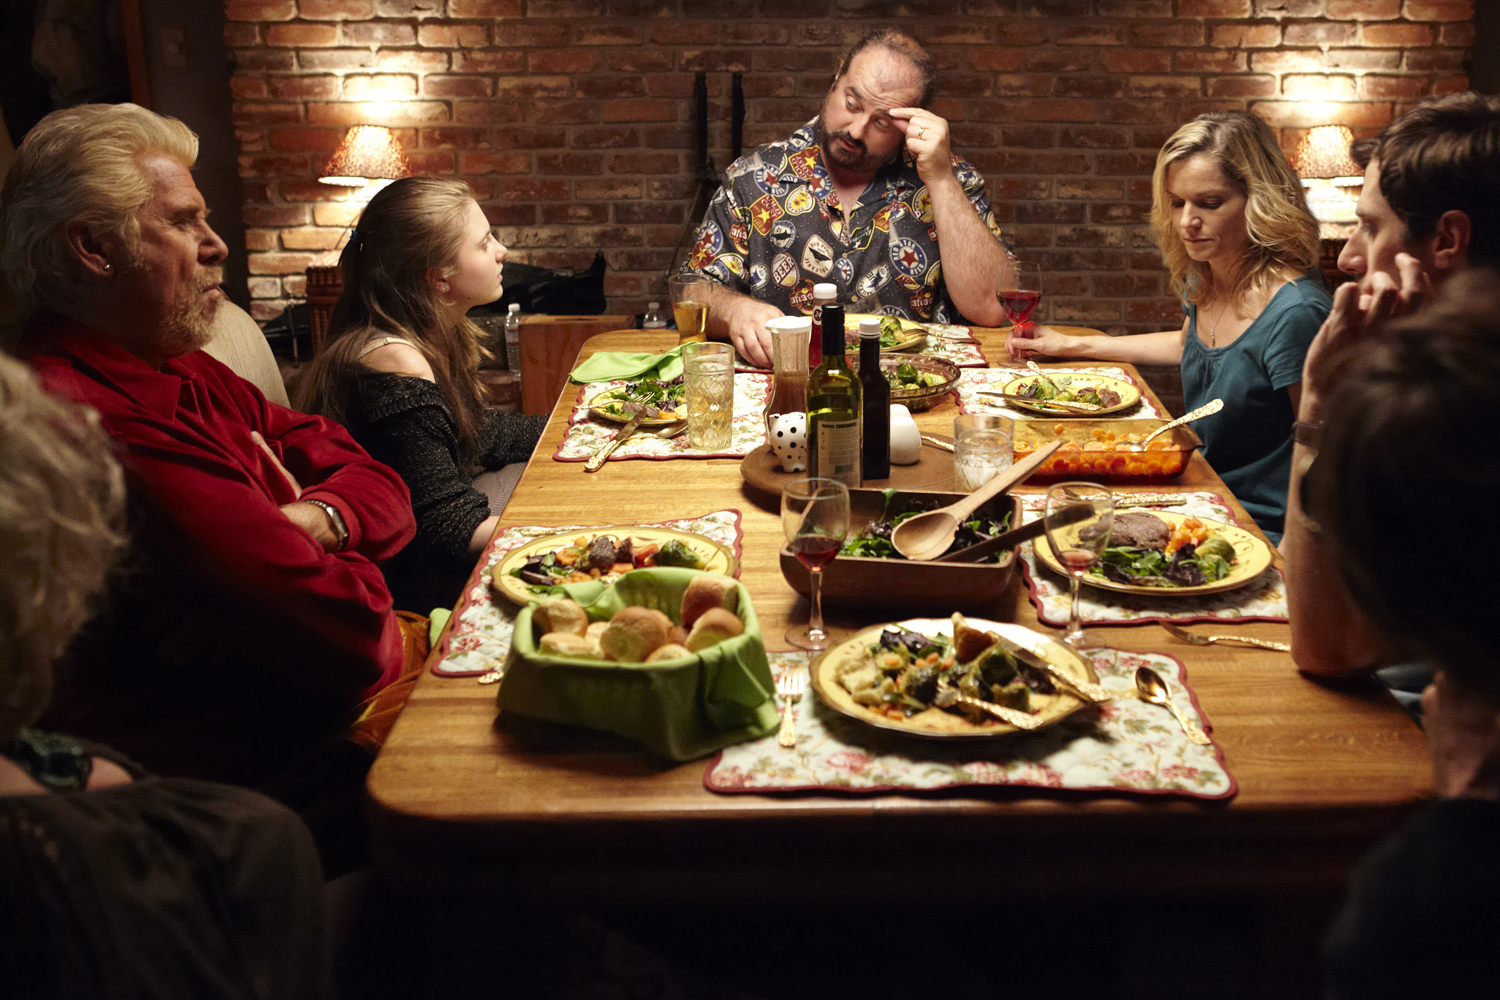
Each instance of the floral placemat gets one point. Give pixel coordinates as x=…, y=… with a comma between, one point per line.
x=1263, y=599
x=480, y=640
x=972, y=381
x=1120, y=746
x=586, y=435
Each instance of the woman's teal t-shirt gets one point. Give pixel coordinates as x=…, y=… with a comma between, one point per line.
x=1249, y=442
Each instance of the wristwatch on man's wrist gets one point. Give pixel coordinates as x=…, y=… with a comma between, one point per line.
x=339, y=528
x=1308, y=433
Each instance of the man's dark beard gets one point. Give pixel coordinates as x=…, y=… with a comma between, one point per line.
x=862, y=163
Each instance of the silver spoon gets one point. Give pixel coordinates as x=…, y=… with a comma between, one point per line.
x=1151, y=687
x=1207, y=409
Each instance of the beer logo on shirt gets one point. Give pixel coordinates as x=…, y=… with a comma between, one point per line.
x=873, y=281
x=907, y=282
x=820, y=185
x=782, y=234
x=882, y=220
x=735, y=264
x=719, y=272
x=817, y=257
x=784, y=270
x=934, y=275
x=764, y=213
x=709, y=243
x=805, y=163
x=921, y=205
x=966, y=174
x=908, y=257
x=921, y=303
x=845, y=268
x=739, y=237
x=759, y=276
x=802, y=297
x=799, y=202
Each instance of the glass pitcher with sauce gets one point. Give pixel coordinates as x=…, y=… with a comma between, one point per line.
x=789, y=339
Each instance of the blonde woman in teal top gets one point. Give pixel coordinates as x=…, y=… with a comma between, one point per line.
x=1232, y=223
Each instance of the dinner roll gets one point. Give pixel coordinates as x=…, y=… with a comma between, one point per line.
x=595, y=630
x=560, y=614
x=671, y=651
x=713, y=627
x=707, y=590
x=634, y=634
x=568, y=644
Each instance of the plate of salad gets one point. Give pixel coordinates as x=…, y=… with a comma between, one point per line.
x=1164, y=554
x=663, y=400
x=894, y=676
x=917, y=382
x=896, y=334
x=604, y=554
x=1111, y=395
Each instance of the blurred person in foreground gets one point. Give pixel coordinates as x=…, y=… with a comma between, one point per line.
x=867, y=196
x=1409, y=440
x=250, y=626
x=1429, y=211
x=1231, y=220
x=400, y=369
x=116, y=882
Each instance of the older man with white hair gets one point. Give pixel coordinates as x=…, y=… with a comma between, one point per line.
x=252, y=622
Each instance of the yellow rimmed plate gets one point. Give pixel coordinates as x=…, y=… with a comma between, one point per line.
x=935, y=723
x=716, y=558
x=913, y=334
x=1129, y=395
x=608, y=405
x=1251, y=557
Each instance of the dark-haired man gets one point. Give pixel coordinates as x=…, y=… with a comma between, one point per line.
x=866, y=196
x=1429, y=210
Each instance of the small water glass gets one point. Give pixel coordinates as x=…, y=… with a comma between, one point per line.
x=708, y=387
x=981, y=449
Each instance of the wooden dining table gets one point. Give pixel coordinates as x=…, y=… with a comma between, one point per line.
x=466, y=796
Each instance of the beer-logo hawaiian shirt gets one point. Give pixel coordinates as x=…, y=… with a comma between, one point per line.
x=762, y=237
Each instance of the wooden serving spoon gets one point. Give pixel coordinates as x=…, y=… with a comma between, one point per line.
x=928, y=535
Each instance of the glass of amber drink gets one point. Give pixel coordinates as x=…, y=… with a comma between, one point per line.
x=690, y=305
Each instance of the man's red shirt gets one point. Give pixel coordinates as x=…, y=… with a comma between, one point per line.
x=231, y=627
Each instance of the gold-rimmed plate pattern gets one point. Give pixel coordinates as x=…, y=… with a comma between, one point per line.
x=1129, y=395
x=716, y=558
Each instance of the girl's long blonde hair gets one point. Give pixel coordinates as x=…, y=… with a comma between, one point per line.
x=411, y=227
x=1283, y=233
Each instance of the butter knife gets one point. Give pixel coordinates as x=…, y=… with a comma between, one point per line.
x=596, y=463
x=1089, y=690
x=1029, y=401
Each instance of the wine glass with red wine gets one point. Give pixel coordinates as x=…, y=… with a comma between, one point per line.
x=1079, y=542
x=1019, y=288
x=815, y=519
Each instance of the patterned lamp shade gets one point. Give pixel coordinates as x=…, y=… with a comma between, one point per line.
x=368, y=152
x=1324, y=152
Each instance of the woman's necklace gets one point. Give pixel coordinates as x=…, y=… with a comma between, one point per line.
x=1213, y=331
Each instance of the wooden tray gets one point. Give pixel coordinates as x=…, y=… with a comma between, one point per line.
x=934, y=472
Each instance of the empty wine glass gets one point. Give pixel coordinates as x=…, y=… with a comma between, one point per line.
x=1078, y=538
x=1018, y=286
x=815, y=519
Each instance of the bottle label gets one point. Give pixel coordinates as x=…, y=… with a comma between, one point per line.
x=837, y=454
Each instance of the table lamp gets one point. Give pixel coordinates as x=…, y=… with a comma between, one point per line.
x=1328, y=172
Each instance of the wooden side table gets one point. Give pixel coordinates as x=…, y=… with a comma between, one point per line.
x=549, y=346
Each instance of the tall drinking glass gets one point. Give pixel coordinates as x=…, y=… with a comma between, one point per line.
x=815, y=519
x=1079, y=544
x=708, y=390
x=690, y=305
x=1018, y=286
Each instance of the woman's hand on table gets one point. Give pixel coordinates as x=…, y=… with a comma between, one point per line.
x=1043, y=342
x=1359, y=315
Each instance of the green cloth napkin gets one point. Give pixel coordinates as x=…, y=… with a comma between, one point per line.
x=680, y=709
x=435, y=623
x=608, y=365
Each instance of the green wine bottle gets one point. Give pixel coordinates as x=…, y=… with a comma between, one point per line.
x=833, y=412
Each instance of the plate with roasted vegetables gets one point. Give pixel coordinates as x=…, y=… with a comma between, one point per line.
x=1037, y=392
x=663, y=401
x=922, y=677
x=917, y=382
x=1166, y=554
x=528, y=572
x=896, y=334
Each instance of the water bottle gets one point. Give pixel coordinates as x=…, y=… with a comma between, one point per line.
x=653, y=320
x=513, y=339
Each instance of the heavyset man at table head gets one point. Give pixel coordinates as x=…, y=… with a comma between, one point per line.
x=251, y=619
x=867, y=196
x=1428, y=211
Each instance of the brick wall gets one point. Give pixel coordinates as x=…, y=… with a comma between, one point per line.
x=572, y=119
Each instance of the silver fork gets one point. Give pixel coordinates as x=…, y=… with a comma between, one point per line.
x=790, y=686
x=1208, y=640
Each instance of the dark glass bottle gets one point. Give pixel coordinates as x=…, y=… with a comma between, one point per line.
x=833, y=408
x=875, y=407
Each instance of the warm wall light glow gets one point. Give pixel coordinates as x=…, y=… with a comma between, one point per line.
x=1324, y=153
x=368, y=152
